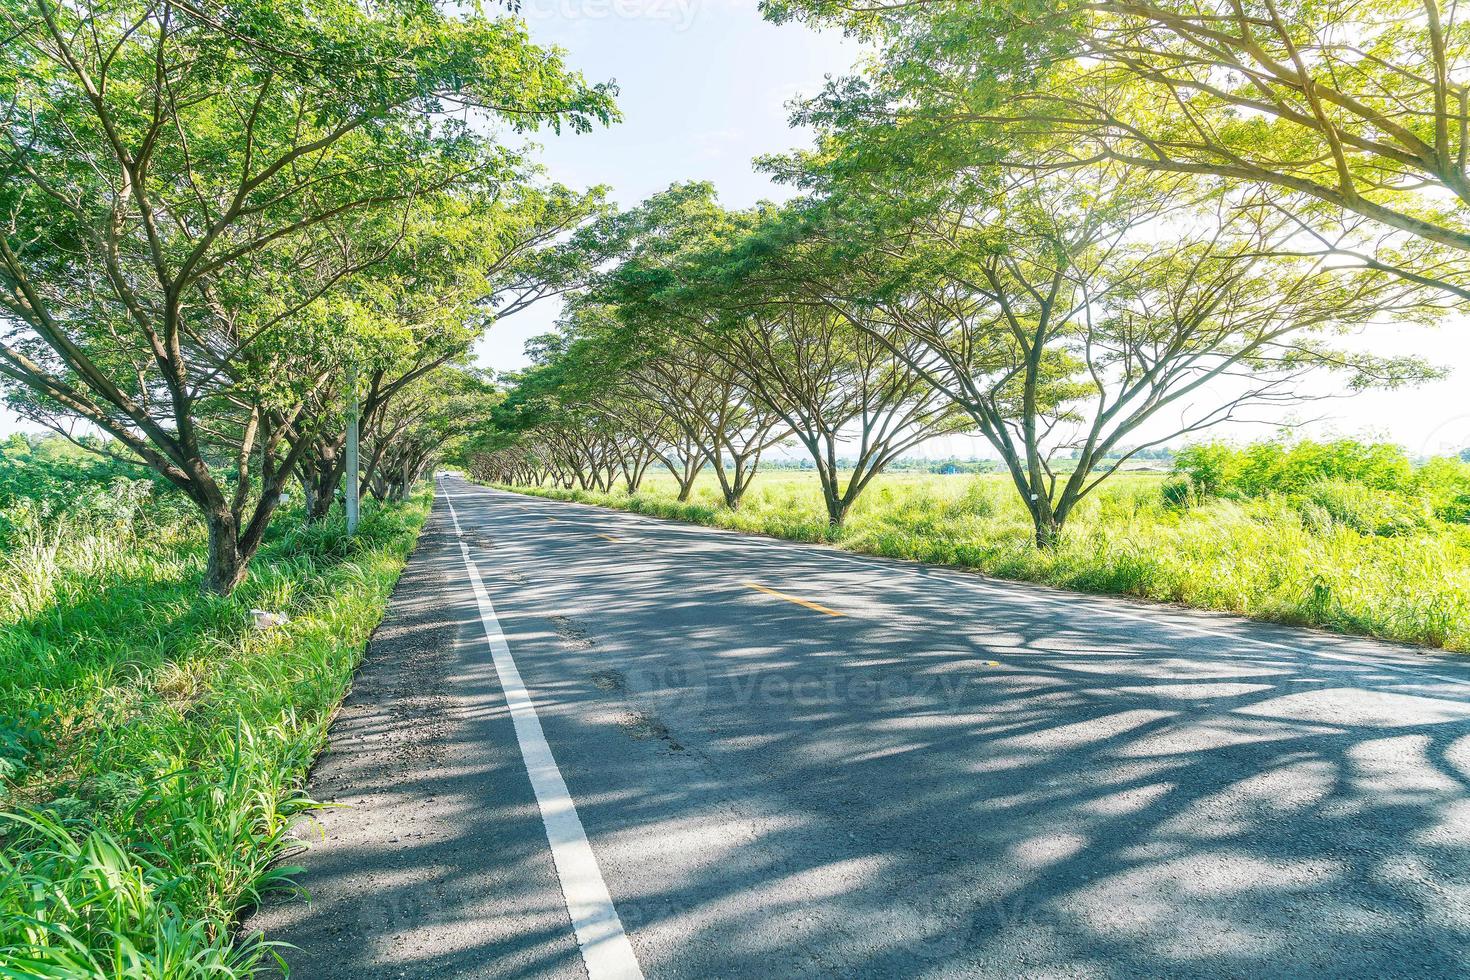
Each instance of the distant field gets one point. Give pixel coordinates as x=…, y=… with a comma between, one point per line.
x=1282, y=558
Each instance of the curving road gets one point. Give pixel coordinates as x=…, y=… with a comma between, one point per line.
x=780, y=760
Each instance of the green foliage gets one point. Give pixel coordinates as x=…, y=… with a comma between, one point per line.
x=1208, y=467
x=52, y=475
x=155, y=742
x=1217, y=469
x=1371, y=488
x=1212, y=90
x=1367, y=509
x=1445, y=484
x=204, y=208
x=1275, y=467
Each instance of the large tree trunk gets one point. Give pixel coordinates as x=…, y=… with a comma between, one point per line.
x=370, y=467
x=636, y=484
x=837, y=508
x=319, y=475
x=684, y=474
x=378, y=487
x=1048, y=528
x=308, y=494
x=320, y=507
x=830, y=482
x=226, y=566
x=413, y=467
x=739, y=480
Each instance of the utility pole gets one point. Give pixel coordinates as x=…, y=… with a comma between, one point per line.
x=350, y=475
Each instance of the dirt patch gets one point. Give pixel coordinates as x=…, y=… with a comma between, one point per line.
x=571, y=634
x=644, y=727
x=609, y=680
x=399, y=703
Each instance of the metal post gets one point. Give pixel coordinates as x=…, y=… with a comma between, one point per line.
x=350, y=475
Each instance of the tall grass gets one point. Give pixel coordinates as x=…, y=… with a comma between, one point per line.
x=1344, y=559
x=153, y=743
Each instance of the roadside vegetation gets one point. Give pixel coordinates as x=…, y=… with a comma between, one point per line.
x=225, y=227
x=153, y=740
x=1348, y=536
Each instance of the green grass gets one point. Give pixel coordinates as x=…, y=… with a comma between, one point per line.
x=1278, y=558
x=153, y=744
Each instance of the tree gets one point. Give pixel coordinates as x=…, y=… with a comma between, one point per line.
x=179, y=183
x=751, y=307
x=1349, y=110
x=463, y=261
x=1068, y=313
x=429, y=421
x=714, y=411
x=835, y=385
x=605, y=398
x=550, y=411
x=630, y=335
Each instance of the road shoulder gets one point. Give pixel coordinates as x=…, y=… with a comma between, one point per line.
x=429, y=859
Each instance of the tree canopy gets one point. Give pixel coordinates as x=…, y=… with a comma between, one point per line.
x=1080, y=230
x=189, y=191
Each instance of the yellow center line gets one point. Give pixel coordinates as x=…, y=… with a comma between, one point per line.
x=608, y=536
x=791, y=598
x=553, y=520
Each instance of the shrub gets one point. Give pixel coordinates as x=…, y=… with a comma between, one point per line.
x=1214, y=469
x=1368, y=510
x=55, y=476
x=1276, y=467
x=1181, y=492
x=1456, y=510
x=978, y=499
x=1446, y=484
x=1208, y=469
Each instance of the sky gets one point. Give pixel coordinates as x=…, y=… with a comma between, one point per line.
x=704, y=88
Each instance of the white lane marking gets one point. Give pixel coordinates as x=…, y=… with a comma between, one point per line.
x=606, y=951
x=1016, y=593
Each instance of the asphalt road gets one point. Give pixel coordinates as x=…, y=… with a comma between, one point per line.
x=789, y=761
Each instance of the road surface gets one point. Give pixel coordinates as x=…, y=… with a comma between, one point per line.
x=759, y=759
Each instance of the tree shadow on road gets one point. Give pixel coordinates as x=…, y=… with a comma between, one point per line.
x=945, y=781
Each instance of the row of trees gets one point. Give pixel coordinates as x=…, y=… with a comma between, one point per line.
x=1081, y=230
x=1059, y=317
x=219, y=222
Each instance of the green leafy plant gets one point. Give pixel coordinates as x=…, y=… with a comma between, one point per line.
x=155, y=743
